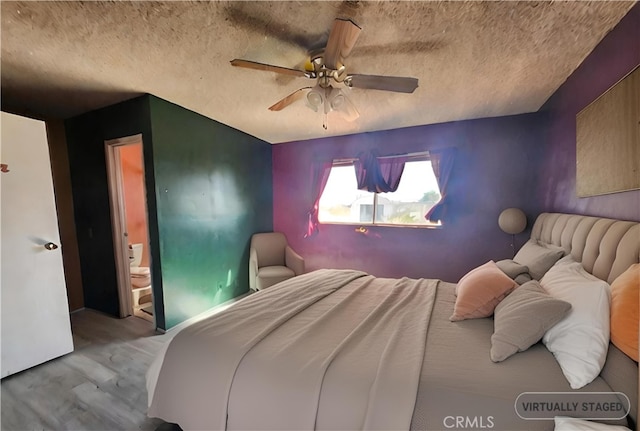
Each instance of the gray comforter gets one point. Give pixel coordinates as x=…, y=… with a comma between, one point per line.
x=332, y=349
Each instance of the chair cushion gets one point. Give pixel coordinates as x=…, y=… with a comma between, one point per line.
x=270, y=275
x=269, y=248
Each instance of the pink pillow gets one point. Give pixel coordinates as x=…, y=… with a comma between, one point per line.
x=480, y=290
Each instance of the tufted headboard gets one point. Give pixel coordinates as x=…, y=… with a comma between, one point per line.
x=606, y=248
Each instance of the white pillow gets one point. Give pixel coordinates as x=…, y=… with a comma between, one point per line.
x=580, y=341
x=572, y=424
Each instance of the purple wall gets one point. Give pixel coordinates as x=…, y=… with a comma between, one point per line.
x=611, y=60
x=495, y=169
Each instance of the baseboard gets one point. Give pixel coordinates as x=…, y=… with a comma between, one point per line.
x=210, y=312
x=77, y=310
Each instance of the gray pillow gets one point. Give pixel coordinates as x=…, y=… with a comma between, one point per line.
x=522, y=318
x=538, y=258
x=523, y=278
x=519, y=273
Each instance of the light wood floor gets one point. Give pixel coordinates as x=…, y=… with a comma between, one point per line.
x=99, y=386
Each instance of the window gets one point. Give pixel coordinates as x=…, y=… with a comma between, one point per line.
x=342, y=202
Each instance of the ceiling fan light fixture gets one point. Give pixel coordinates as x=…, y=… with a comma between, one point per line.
x=337, y=100
x=315, y=98
x=341, y=103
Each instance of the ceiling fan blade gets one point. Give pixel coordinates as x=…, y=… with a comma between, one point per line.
x=283, y=103
x=399, y=84
x=268, y=67
x=342, y=38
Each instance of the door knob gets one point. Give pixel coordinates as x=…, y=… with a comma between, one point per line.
x=50, y=246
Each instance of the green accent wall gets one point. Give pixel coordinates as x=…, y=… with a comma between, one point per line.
x=209, y=188
x=213, y=191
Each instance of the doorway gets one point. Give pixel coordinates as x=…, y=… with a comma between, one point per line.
x=127, y=192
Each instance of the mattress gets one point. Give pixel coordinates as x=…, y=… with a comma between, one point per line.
x=459, y=382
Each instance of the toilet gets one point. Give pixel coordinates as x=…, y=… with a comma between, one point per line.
x=140, y=277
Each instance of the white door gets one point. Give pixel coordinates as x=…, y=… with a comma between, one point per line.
x=35, y=314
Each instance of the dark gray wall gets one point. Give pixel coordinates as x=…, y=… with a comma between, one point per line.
x=87, y=163
x=209, y=189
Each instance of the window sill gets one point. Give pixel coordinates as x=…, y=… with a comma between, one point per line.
x=384, y=225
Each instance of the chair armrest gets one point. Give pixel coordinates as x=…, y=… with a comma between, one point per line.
x=293, y=260
x=253, y=268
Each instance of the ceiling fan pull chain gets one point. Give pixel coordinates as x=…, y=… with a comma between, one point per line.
x=325, y=121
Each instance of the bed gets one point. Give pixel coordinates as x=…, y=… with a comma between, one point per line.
x=300, y=356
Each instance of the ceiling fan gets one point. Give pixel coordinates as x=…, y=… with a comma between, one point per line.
x=327, y=67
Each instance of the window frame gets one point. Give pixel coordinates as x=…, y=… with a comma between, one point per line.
x=413, y=157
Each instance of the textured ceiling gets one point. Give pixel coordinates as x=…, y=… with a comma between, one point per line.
x=472, y=59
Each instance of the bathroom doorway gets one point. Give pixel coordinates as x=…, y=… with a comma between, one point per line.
x=127, y=192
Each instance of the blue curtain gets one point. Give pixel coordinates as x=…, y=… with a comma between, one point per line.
x=379, y=175
x=442, y=163
x=320, y=175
